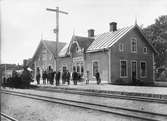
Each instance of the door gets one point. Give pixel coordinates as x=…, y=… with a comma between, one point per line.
x=134, y=71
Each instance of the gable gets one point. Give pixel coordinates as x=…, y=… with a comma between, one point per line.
x=38, y=51
x=107, y=40
x=82, y=43
x=50, y=46
x=127, y=39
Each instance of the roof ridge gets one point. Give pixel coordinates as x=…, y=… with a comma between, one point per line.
x=84, y=37
x=116, y=30
x=53, y=41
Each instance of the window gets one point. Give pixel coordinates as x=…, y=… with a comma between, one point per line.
x=76, y=49
x=95, y=67
x=145, y=50
x=64, y=68
x=133, y=45
x=143, y=70
x=123, y=68
x=82, y=69
x=78, y=68
x=121, y=47
x=74, y=68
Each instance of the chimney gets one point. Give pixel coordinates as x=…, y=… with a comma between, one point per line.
x=113, y=26
x=91, y=33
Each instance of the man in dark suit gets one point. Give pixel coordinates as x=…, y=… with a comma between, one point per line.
x=75, y=77
x=57, y=78
x=98, y=77
x=68, y=77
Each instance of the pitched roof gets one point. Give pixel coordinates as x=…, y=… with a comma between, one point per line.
x=106, y=40
x=51, y=46
x=63, y=51
x=84, y=42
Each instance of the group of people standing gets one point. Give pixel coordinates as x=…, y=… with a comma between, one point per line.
x=49, y=76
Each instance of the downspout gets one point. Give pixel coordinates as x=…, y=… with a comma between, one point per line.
x=153, y=66
x=84, y=54
x=109, y=63
x=35, y=70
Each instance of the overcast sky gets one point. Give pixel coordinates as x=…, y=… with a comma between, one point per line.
x=25, y=22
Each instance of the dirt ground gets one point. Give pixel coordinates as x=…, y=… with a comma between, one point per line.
x=24, y=109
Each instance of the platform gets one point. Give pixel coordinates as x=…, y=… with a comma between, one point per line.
x=143, y=91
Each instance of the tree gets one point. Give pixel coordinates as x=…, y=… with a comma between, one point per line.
x=157, y=35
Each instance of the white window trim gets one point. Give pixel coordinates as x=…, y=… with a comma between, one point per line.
x=121, y=44
x=146, y=50
x=136, y=69
x=79, y=49
x=126, y=69
x=98, y=66
x=64, y=65
x=146, y=69
x=131, y=45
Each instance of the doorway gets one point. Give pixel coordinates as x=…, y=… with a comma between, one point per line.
x=134, y=71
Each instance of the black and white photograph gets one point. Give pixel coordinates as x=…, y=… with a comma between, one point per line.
x=83, y=60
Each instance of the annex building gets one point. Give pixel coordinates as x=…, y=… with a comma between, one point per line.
x=45, y=55
x=119, y=54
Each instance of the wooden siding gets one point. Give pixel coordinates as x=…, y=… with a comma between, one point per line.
x=116, y=56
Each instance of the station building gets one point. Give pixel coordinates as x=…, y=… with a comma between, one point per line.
x=45, y=55
x=119, y=54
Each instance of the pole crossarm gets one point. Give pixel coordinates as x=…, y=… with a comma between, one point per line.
x=55, y=10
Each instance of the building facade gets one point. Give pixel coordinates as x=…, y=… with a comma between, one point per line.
x=123, y=54
x=119, y=54
x=45, y=55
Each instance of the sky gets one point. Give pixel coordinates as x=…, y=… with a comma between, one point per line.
x=25, y=22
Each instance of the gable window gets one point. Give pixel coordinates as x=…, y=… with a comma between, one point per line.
x=145, y=50
x=121, y=47
x=95, y=67
x=143, y=69
x=77, y=49
x=123, y=68
x=133, y=45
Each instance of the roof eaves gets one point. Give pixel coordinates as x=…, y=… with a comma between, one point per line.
x=97, y=50
x=44, y=43
x=33, y=57
x=141, y=31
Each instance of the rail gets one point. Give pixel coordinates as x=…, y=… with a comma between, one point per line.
x=139, y=114
x=8, y=117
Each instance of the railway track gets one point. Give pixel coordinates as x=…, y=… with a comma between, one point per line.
x=138, y=114
x=102, y=94
x=9, y=118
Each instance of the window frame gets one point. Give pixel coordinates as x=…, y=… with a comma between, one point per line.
x=136, y=68
x=146, y=50
x=132, y=44
x=145, y=70
x=64, y=65
x=121, y=47
x=126, y=69
x=92, y=66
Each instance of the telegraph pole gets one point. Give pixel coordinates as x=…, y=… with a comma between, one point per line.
x=56, y=30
